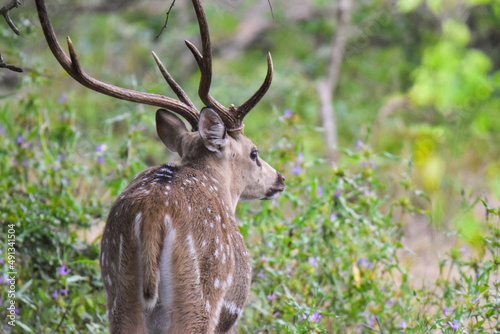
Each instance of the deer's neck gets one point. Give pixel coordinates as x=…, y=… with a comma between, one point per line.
x=226, y=188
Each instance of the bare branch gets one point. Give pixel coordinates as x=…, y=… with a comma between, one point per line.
x=326, y=88
x=166, y=20
x=3, y=64
x=271, y=7
x=5, y=12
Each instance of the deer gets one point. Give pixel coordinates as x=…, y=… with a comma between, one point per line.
x=172, y=257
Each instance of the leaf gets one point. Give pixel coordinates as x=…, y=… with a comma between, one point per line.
x=76, y=278
x=456, y=31
x=406, y=6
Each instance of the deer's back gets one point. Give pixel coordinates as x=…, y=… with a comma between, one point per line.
x=194, y=263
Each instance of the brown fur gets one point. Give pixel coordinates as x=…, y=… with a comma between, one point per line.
x=172, y=257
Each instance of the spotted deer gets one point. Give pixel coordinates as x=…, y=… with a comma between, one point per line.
x=172, y=257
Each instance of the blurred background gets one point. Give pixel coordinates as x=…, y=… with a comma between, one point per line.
x=405, y=94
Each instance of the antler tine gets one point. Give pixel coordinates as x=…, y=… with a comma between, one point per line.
x=172, y=83
x=248, y=105
x=205, y=61
x=72, y=66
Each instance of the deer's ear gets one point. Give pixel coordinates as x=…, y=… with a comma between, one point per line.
x=212, y=130
x=170, y=128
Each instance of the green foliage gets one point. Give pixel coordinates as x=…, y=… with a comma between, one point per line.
x=327, y=254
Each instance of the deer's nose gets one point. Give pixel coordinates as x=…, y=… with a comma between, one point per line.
x=281, y=179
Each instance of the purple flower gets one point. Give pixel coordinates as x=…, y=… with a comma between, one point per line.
x=62, y=270
x=2, y=261
x=55, y=294
x=287, y=114
x=19, y=140
x=303, y=317
x=101, y=148
x=363, y=164
x=453, y=325
x=25, y=162
x=403, y=325
x=333, y=217
x=64, y=292
x=365, y=263
x=333, y=164
x=2, y=130
x=391, y=302
x=315, y=317
x=62, y=98
x=289, y=271
x=261, y=274
x=445, y=311
x=300, y=158
x=1, y=301
x=319, y=191
x=372, y=164
x=272, y=296
x=312, y=261
x=463, y=250
x=276, y=314
x=296, y=170
x=337, y=193
x=100, y=161
x=62, y=156
x=359, y=144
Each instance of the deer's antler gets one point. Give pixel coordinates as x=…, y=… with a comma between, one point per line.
x=232, y=117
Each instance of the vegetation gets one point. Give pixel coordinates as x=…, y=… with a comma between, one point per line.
x=417, y=112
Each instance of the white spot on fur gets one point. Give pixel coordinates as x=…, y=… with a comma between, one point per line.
x=108, y=280
x=137, y=226
x=223, y=226
x=216, y=283
x=207, y=306
x=120, y=254
x=189, y=208
x=192, y=252
x=216, y=254
x=203, y=243
x=232, y=308
x=166, y=286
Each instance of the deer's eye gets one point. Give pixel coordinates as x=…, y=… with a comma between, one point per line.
x=254, y=155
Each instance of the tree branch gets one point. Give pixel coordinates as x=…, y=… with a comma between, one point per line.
x=5, y=12
x=3, y=64
x=326, y=87
x=166, y=20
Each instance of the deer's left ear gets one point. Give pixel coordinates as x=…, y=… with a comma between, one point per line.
x=170, y=129
x=212, y=130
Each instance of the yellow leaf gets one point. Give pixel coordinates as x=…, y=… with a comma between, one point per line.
x=357, y=275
